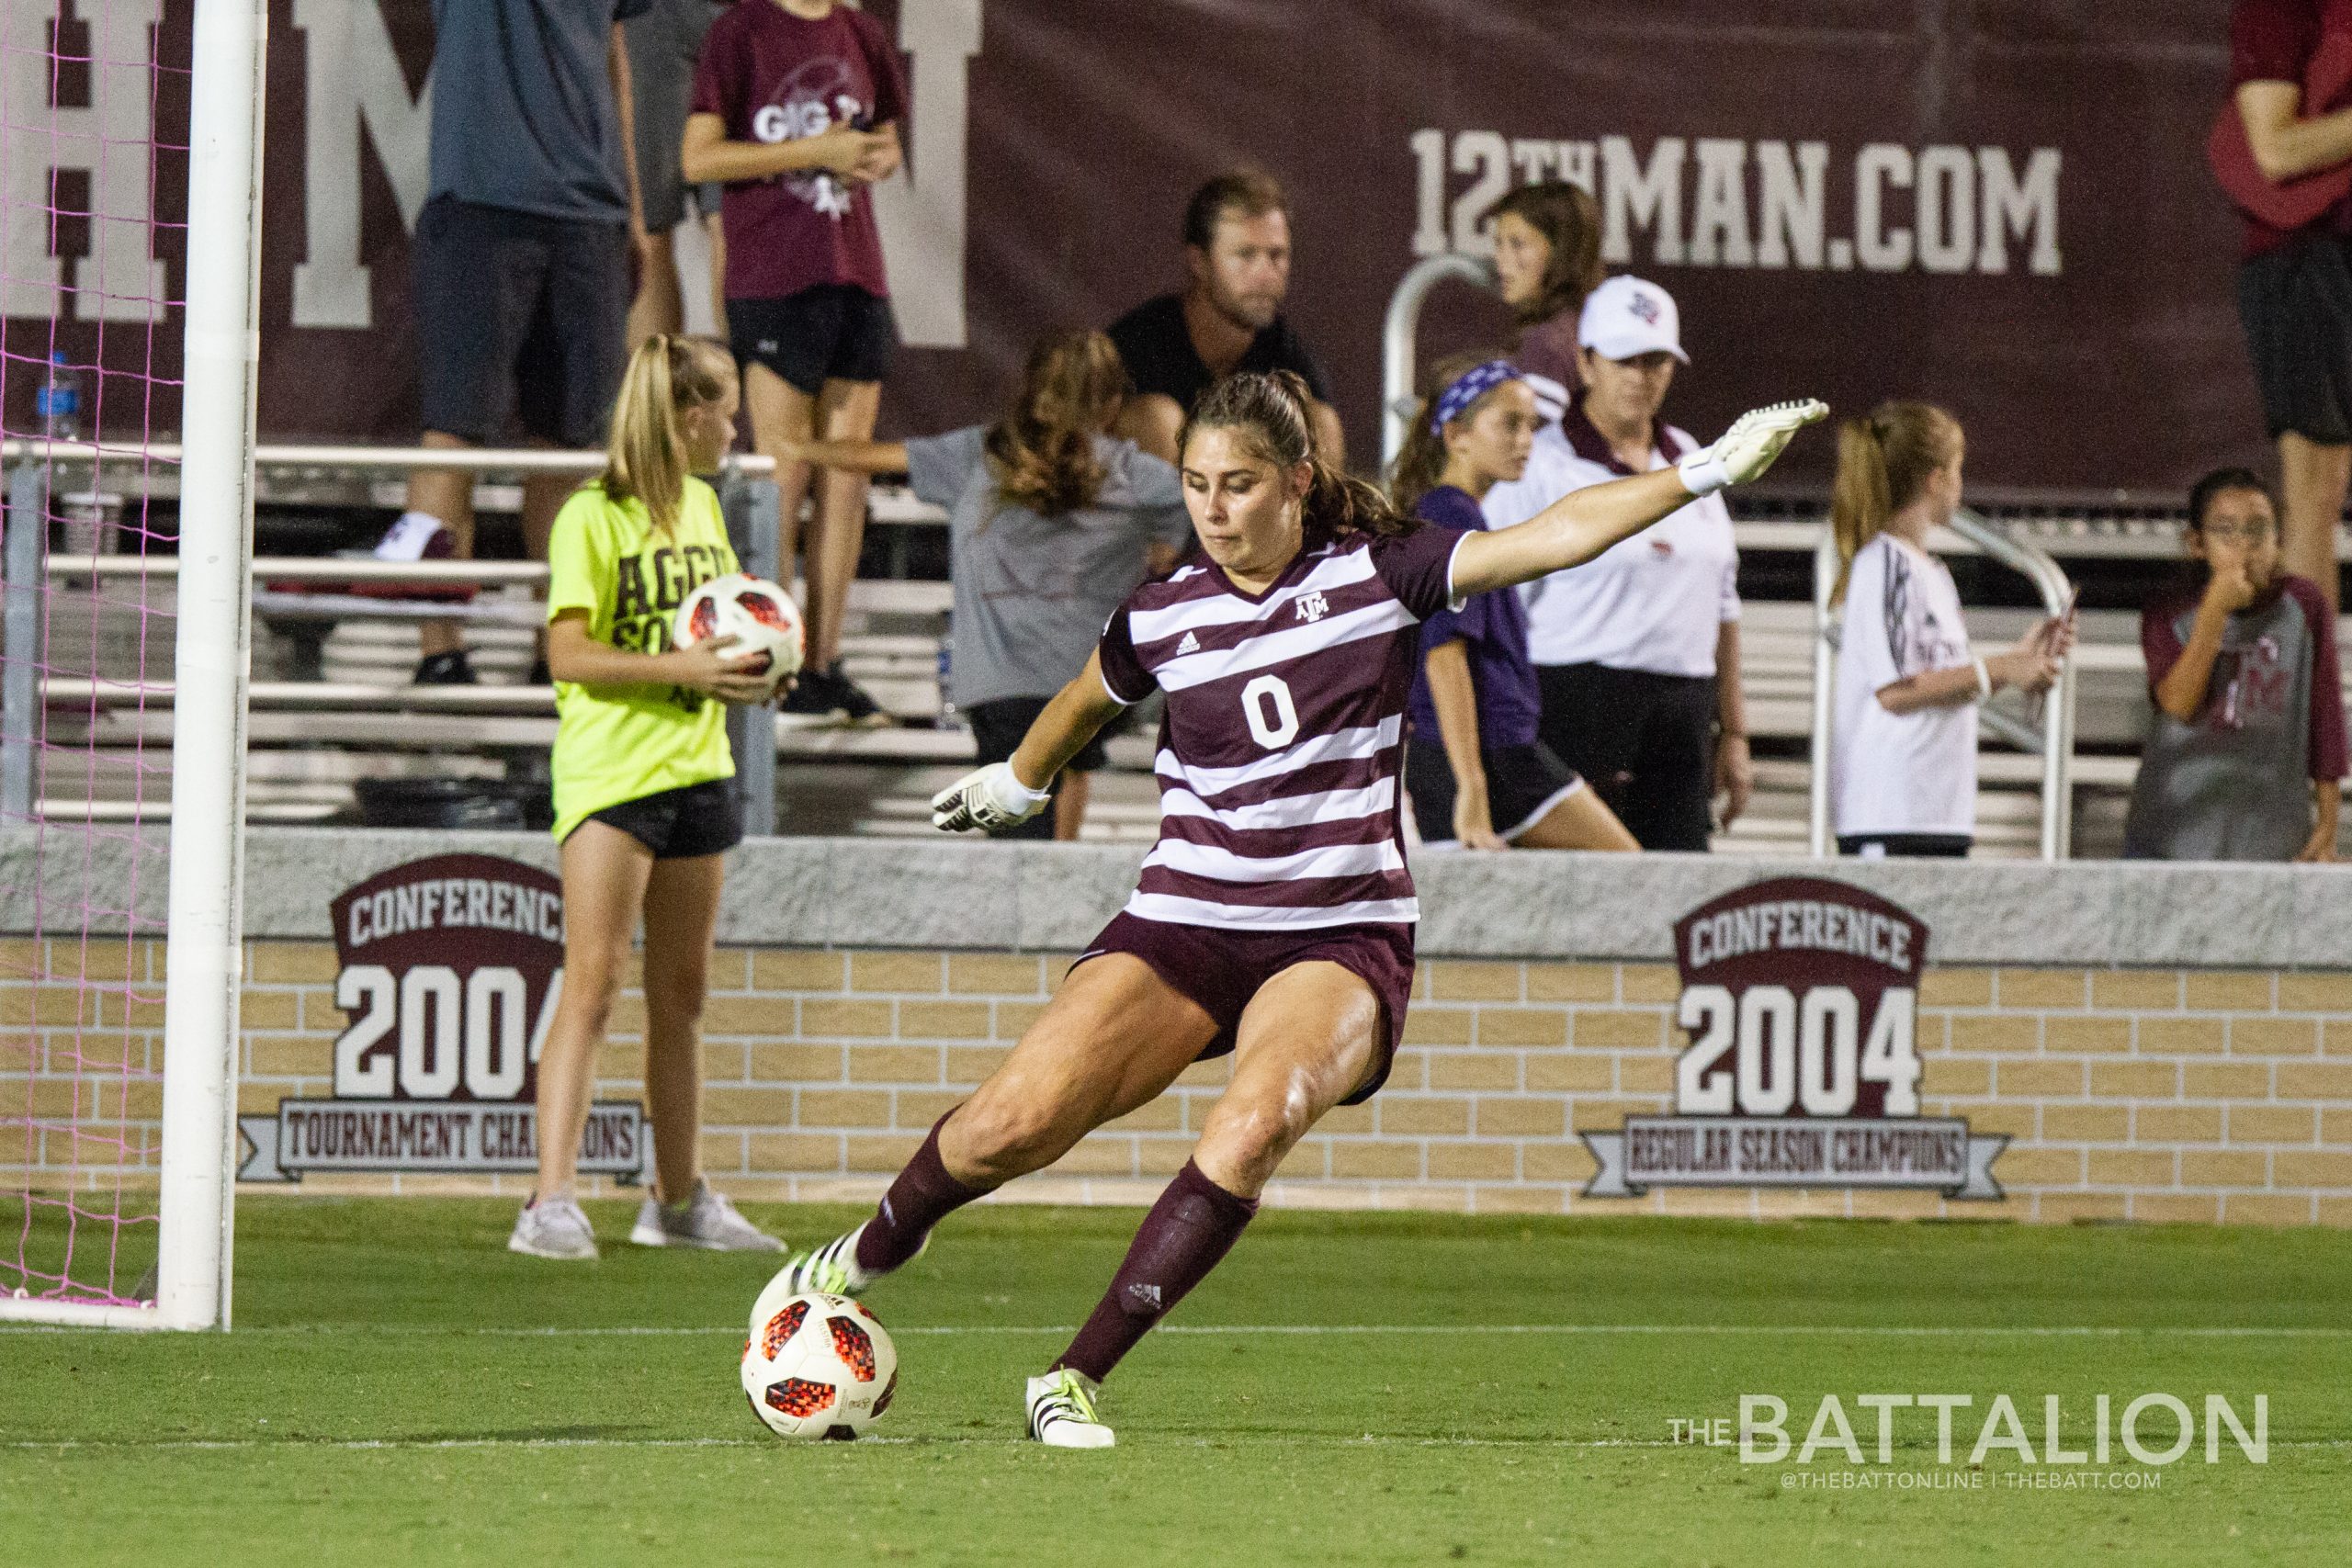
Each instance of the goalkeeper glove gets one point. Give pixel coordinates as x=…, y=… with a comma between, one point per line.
x=1747, y=448
x=990, y=799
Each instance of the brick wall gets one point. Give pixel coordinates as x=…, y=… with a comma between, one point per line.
x=2143, y=1094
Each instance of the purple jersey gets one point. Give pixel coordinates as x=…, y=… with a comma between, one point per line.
x=1492, y=626
x=1284, y=732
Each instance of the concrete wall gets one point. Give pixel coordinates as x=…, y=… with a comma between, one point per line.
x=2212, y=1081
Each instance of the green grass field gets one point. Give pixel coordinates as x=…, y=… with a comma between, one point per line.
x=1348, y=1388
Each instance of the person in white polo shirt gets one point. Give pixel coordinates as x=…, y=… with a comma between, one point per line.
x=1637, y=651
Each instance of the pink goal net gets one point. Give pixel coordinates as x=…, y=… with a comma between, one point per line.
x=94, y=98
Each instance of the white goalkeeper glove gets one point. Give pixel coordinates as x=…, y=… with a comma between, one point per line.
x=1747, y=448
x=990, y=798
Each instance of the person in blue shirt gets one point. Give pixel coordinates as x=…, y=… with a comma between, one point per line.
x=1478, y=777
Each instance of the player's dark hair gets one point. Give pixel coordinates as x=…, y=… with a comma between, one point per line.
x=644, y=458
x=1569, y=220
x=1237, y=193
x=2221, y=482
x=1885, y=460
x=1420, y=462
x=1270, y=410
x=1042, y=454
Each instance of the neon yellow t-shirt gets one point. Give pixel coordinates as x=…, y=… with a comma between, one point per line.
x=618, y=743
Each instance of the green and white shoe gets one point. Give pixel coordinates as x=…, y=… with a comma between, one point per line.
x=705, y=1220
x=1062, y=1412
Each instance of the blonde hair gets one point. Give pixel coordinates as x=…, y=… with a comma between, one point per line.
x=645, y=456
x=1885, y=460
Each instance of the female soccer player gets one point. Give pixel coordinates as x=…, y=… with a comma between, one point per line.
x=644, y=803
x=1276, y=917
x=1051, y=521
x=1903, y=757
x=1472, y=758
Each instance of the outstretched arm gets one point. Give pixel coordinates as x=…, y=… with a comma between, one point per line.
x=856, y=457
x=1001, y=795
x=1581, y=525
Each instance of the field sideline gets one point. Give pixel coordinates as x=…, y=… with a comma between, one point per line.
x=1365, y=1388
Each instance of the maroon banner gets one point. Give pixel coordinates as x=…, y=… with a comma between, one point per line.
x=451, y=966
x=2005, y=208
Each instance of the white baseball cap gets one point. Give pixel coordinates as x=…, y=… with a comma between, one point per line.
x=1626, y=317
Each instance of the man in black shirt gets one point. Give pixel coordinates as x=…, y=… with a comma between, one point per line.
x=1236, y=264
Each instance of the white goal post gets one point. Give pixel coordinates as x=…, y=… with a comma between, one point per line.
x=211, y=666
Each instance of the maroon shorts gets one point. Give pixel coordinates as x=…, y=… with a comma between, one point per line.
x=1222, y=970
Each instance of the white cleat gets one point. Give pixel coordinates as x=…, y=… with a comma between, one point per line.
x=1062, y=1414
x=554, y=1227
x=705, y=1220
x=829, y=1270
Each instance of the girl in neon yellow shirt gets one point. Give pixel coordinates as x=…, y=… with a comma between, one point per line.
x=644, y=793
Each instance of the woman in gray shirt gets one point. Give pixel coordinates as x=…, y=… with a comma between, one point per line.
x=1053, y=522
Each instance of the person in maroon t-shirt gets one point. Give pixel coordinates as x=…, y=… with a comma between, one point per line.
x=2295, y=287
x=797, y=108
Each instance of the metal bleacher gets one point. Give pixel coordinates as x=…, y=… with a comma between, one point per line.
x=333, y=710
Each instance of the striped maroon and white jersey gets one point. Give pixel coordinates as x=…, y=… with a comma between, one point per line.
x=1284, y=732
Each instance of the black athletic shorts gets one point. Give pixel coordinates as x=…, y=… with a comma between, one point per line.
x=1523, y=783
x=2296, y=306
x=518, y=315
x=1644, y=742
x=678, y=824
x=1905, y=846
x=834, y=331
x=997, y=726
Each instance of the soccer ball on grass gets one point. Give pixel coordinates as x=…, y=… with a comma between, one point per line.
x=817, y=1366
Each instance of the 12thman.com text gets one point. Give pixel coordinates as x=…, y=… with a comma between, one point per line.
x=1774, y=206
x=1852, y=1443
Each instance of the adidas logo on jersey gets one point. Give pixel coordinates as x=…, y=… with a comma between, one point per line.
x=1190, y=645
x=1313, y=607
x=1181, y=573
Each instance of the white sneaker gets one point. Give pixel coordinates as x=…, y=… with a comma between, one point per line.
x=1061, y=1411
x=553, y=1228
x=832, y=1270
x=705, y=1220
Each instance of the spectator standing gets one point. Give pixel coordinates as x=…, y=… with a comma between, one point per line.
x=1903, y=757
x=1227, y=319
x=644, y=799
x=1637, y=652
x=2245, y=760
x=1479, y=775
x=797, y=109
x=2295, y=286
x=1053, y=523
x=1548, y=261
x=663, y=44
x=521, y=260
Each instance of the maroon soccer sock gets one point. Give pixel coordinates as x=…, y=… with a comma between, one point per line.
x=1187, y=1234
x=923, y=1195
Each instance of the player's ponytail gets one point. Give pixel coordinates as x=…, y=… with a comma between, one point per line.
x=1884, y=461
x=1420, y=462
x=645, y=456
x=1270, y=411
x=1042, y=454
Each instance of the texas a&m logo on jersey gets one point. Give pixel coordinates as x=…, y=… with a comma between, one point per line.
x=1801, y=1000
x=1313, y=607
